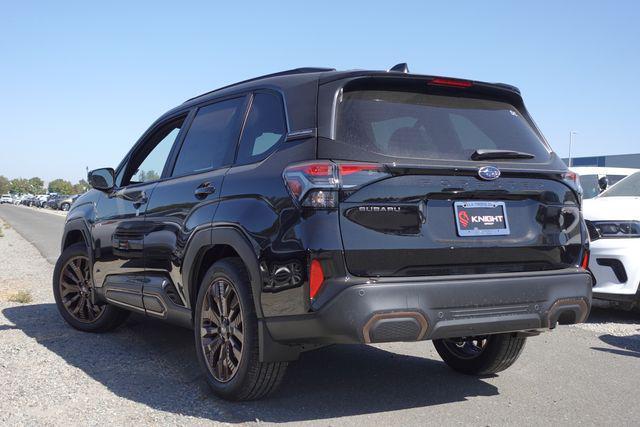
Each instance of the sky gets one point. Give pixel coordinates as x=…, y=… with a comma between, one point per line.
x=81, y=81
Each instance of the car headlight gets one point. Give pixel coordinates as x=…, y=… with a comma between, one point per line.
x=617, y=228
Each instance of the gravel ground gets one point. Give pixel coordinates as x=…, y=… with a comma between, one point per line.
x=146, y=373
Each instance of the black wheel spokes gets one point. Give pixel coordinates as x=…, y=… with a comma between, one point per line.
x=468, y=347
x=221, y=330
x=75, y=290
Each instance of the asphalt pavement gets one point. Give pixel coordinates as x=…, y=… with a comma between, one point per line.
x=146, y=372
x=42, y=229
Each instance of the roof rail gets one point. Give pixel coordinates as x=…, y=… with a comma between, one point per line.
x=302, y=70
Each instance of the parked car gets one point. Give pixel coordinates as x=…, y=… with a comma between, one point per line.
x=41, y=200
x=61, y=202
x=313, y=207
x=29, y=200
x=6, y=198
x=595, y=180
x=613, y=220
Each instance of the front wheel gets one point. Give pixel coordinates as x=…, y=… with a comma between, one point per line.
x=482, y=355
x=226, y=335
x=65, y=207
x=72, y=289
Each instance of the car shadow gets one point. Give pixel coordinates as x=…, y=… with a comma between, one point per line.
x=625, y=345
x=154, y=364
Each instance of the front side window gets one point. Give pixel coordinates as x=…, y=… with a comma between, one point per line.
x=147, y=164
x=424, y=126
x=264, y=129
x=211, y=138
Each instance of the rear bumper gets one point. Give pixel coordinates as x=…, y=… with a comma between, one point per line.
x=413, y=309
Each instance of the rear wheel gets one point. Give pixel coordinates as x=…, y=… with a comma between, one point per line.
x=482, y=355
x=226, y=335
x=72, y=289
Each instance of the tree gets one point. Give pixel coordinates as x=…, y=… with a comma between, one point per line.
x=20, y=186
x=36, y=185
x=146, y=176
x=60, y=186
x=81, y=187
x=5, y=185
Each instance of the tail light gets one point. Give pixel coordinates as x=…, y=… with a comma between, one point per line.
x=317, y=184
x=573, y=179
x=316, y=278
x=440, y=81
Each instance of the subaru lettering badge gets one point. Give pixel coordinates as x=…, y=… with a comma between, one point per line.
x=489, y=173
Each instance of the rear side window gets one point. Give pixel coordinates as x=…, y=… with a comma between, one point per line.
x=424, y=126
x=211, y=138
x=265, y=128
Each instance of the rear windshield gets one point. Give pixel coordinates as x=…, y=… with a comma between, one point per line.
x=418, y=125
x=628, y=187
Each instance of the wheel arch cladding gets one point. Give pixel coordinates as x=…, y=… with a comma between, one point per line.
x=74, y=232
x=212, y=244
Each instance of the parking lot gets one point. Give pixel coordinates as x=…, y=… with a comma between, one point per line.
x=148, y=373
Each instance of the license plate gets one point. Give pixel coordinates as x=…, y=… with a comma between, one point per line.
x=481, y=218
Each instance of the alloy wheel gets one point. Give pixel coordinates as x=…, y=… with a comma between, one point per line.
x=75, y=290
x=222, y=330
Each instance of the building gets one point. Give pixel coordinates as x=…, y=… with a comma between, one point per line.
x=618, y=160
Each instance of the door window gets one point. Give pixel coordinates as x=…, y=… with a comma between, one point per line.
x=147, y=164
x=265, y=128
x=211, y=138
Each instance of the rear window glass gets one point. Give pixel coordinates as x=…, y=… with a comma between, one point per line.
x=418, y=125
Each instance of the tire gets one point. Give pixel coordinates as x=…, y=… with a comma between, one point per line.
x=247, y=378
x=73, y=299
x=65, y=207
x=497, y=353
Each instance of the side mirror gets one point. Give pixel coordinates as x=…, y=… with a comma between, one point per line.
x=102, y=179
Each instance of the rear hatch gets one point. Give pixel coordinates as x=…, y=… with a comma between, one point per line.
x=454, y=178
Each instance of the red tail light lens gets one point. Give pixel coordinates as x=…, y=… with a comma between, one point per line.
x=316, y=184
x=439, y=81
x=316, y=278
x=585, y=259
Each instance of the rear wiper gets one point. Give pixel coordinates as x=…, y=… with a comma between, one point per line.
x=488, y=154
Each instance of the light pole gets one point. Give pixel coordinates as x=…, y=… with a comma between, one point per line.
x=571, y=145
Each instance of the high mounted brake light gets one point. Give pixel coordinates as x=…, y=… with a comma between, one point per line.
x=317, y=184
x=439, y=81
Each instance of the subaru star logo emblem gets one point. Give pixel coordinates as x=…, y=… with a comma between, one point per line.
x=489, y=173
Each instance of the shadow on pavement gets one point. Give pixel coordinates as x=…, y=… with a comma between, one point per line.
x=154, y=364
x=627, y=345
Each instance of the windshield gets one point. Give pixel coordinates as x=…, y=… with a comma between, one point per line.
x=418, y=125
x=628, y=187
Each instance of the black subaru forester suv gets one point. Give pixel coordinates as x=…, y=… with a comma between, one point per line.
x=313, y=207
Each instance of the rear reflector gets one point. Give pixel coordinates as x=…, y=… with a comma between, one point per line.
x=316, y=277
x=438, y=81
x=585, y=260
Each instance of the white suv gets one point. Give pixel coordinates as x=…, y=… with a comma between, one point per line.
x=6, y=198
